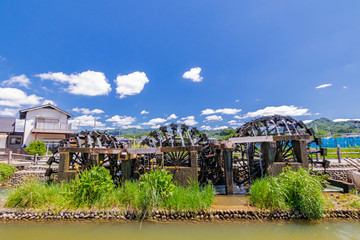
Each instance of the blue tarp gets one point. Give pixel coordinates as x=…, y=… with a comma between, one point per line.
x=342, y=142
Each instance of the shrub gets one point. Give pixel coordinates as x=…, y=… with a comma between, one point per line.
x=159, y=181
x=36, y=147
x=89, y=186
x=6, y=171
x=297, y=190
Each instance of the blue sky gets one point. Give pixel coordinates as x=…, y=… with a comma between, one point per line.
x=235, y=59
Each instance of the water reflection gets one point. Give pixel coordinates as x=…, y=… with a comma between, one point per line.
x=208, y=231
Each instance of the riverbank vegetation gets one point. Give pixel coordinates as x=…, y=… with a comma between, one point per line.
x=6, y=172
x=296, y=190
x=94, y=189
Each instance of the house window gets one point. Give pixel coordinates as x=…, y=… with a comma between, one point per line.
x=52, y=145
x=15, y=140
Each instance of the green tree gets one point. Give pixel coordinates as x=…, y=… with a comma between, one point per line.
x=36, y=147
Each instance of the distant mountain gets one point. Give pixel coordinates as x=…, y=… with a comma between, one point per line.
x=321, y=126
x=324, y=126
x=129, y=132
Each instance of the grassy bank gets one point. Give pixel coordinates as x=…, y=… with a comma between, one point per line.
x=296, y=190
x=94, y=190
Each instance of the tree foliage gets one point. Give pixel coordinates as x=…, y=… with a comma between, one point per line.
x=36, y=147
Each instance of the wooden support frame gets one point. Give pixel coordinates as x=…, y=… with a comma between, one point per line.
x=228, y=167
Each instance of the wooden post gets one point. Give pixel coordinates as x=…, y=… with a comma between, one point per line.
x=64, y=164
x=126, y=167
x=36, y=158
x=193, y=159
x=228, y=164
x=300, y=151
x=159, y=160
x=338, y=151
x=10, y=157
x=268, y=150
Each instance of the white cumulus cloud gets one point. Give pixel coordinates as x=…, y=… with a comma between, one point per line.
x=172, y=116
x=228, y=111
x=235, y=123
x=121, y=120
x=144, y=112
x=281, y=110
x=205, y=127
x=345, y=119
x=130, y=84
x=8, y=112
x=323, y=85
x=132, y=126
x=155, y=121
x=220, y=128
x=86, y=121
x=87, y=83
x=14, y=97
x=190, y=121
x=207, y=111
x=193, y=74
x=47, y=101
x=213, y=118
x=87, y=111
x=307, y=121
x=22, y=80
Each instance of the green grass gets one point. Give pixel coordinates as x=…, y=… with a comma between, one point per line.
x=332, y=153
x=192, y=198
x=6, y=172
x=38, y=195
x=156, y=191
x=297, y=190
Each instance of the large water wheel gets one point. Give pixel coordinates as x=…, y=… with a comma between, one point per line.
x=248, y=160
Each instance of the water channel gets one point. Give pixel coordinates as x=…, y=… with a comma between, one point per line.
x=323, y=230
x=183, y=230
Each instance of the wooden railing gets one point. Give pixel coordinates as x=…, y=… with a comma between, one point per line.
x=340, y=152
x=22, y=159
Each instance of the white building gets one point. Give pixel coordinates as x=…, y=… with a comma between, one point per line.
x=45, y=123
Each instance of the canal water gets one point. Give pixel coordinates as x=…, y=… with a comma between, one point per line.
x=89, y=230
x=183, y=230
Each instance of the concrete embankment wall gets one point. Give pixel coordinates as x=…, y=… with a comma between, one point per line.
x=213, y=215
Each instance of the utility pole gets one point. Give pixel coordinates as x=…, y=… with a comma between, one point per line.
x=78, y=126
x=95, y=122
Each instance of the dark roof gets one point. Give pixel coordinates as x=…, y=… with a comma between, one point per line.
x=7, y=124
x=22, y=113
